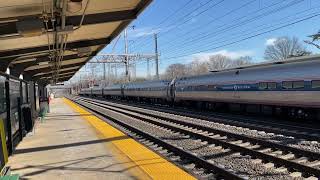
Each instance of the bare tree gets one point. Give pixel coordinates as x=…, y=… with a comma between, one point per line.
x=202, y=66
x=242, y=61
x=175, y=70
x=218, y=62
x=283, y=48
x=197, y=67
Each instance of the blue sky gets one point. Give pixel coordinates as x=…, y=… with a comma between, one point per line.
x=187, y=27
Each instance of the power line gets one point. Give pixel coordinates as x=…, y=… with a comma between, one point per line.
x=205, y=34
x=168, y=17
x=221, y=30
x=210, y=22
x=220, y=17
x=190, y=13
x=246, y=38
x=248, y=32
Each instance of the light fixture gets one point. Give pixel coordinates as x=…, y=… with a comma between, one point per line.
x=30, y=27
x=43, y=63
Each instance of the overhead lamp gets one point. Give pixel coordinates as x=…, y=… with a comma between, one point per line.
x=43, y=63
x=30, y=27
x=23, y=60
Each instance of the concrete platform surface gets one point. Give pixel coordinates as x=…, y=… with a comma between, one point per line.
x=65, y=146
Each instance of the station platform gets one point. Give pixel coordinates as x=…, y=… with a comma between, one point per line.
x=74, y=144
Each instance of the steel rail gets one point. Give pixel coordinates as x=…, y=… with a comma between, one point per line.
x=294, y=131
x=228, y=174
x=279, y=161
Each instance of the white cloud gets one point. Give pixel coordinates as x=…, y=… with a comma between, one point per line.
x=230, y=54
x=146, y=31
x=270, y=41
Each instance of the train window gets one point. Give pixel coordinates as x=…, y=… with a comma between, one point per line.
x=24, y=93
x=315, y=84
x=211, y=87
x=200, y=87
x=272, y=85
x=263, y=85
x=298, y=84
x=287, y=85
x=28, y=93
x=14, y=92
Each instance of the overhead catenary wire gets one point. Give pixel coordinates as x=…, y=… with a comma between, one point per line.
x=205, y=36
x=248, y=32
x=167, y=18
x=243, y=39
x=190, y=14
x=220, y=17
x=213, y=20
x=226, y=27
x=238, y=23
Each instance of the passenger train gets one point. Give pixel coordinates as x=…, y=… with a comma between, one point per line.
x=290, y=88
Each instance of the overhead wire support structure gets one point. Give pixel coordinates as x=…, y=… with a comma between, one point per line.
x=125, y=59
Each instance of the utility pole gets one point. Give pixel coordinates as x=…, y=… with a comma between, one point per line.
x=109, y=69
x=104, y=73
x=126, y=57
x=156, y=55
x=148, y=68
x=115, y=71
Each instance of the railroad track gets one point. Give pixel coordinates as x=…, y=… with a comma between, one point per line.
x=283, y=159
x=307, y=133
x=158, y=144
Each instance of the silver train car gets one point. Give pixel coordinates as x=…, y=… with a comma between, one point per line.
x=96, y=91
x=113, y=91
x=85, y=92
x=292, y=87
x=155, y=90
x=286, y=87
x=290, y=84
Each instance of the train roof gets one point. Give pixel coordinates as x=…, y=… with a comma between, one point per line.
x=273, y=63
x=150, y=83
x=258, y=65
x=113, y=86
x=294, y=68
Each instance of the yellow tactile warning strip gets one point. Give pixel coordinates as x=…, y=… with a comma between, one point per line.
x=150, y=162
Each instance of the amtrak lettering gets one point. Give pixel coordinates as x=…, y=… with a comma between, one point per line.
x=237, y=87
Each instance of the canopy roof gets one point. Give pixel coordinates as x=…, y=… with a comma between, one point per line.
x=29, y=28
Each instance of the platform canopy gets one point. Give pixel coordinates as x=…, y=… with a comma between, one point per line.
x=50, y=40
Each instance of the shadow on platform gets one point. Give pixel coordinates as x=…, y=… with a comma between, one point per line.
x=46, y=148
x=68, y=115
x=69, y=165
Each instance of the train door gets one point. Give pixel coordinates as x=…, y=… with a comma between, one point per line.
x=235, y=92
x=36, y=97
x=172, y=87
x=15, y=105
x=122, y=90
